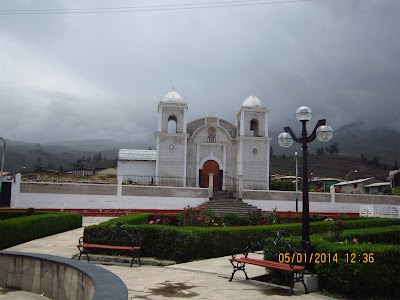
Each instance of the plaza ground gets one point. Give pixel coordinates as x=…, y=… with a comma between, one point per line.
x=205, y=279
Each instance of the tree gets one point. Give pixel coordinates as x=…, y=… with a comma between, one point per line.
x=364, y=160
x=61, y=169
x=320, y=151
x=38, y=164
x=51, y=166
x=332, y=149
x=396, y=165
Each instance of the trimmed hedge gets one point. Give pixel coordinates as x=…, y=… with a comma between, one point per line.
x=184, y=244
x=23, y=229
x=353, y=277
x=375, y=235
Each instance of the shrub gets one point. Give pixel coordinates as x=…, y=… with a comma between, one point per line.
x=30, y=211
x=23, y=229
x=282, y=185
x=196, y=216
x=374, y=235
x=359, y=275
x=396, y=191
x=232, y=219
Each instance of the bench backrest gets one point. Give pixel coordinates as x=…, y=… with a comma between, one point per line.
x=281, y=242
x=115, y=235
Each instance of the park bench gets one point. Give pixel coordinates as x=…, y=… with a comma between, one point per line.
x=280, y=253
x=112, y=238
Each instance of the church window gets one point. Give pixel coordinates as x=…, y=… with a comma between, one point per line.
x=254, y=128
x=172, y=124
x=212, y=135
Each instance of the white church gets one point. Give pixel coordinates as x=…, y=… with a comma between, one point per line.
x=188, y=152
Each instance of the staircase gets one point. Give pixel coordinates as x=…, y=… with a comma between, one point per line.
x=224, y=202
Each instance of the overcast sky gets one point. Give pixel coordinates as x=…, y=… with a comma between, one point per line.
x=95, y=75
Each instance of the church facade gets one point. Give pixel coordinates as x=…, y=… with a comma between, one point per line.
x=187, y=152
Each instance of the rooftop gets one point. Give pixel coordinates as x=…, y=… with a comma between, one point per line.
x=135, y=154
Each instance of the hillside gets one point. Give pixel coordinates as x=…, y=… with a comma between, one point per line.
x=333, y=166
x=379, y=143
x=353, y=140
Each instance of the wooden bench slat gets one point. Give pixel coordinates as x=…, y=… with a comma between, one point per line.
x=281, y=243
x=109, y=247
x=269, y=264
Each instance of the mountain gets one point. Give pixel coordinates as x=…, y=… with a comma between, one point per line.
x=377, y=144
x=353, y=140
x=21, y=154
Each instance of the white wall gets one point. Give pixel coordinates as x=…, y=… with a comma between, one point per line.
x=142, y=168
x=315, y=207
x=68, y=201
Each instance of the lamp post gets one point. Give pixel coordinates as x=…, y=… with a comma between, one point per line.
x=347, y=176
x=2, y=164
x=321, y=131
x=297, y=183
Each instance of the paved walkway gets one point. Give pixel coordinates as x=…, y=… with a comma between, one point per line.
x=205, y=279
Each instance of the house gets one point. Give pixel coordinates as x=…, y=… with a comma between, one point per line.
x=83, y=172
x=137, y=166
x=355, y=186
x=323, y=183
x=394, y=177
x=376, y=188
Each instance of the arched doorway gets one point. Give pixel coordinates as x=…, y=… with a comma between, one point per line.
x=211, y=166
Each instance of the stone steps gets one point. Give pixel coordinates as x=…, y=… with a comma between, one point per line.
x=224, y=202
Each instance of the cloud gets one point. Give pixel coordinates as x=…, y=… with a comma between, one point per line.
x=75, y=76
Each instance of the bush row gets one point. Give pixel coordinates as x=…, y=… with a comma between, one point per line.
x=4, y=215
x=19, y=230
x=363, y=271
x=183, y=244
x=375, y=235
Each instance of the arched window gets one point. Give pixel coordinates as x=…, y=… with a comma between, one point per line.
x=212, y=135
x=254, y=127
x=172, y=124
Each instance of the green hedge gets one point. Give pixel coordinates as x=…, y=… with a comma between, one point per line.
x=183, y=244
x=375, y=235
x=352, y=277
x=4, y=215
x=23, y=229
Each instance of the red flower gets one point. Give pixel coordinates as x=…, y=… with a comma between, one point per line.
x=340, y=222
x=354, y=241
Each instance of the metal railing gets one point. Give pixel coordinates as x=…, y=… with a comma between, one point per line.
x=380, y=211
x=158, y=180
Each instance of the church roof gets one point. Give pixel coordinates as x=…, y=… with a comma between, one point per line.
x=135, y=154
x=173, y=97
x=252, y=101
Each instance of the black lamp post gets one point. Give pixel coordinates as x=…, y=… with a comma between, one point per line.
x=323, y=133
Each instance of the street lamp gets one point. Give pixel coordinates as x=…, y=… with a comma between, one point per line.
x=347, y=176
x=297, y=183
x=2, y=164
x=321, y=131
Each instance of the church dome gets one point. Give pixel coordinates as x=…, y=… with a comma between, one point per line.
x=252, y=101
x=172, y=97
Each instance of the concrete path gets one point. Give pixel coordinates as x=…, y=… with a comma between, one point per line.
x=205, y=279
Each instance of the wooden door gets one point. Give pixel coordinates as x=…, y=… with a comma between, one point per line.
x=211, y=166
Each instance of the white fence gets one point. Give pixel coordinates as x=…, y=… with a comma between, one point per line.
x=380, y=211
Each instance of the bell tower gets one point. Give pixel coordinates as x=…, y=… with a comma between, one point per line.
x=171, y=140
x=253, y=144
